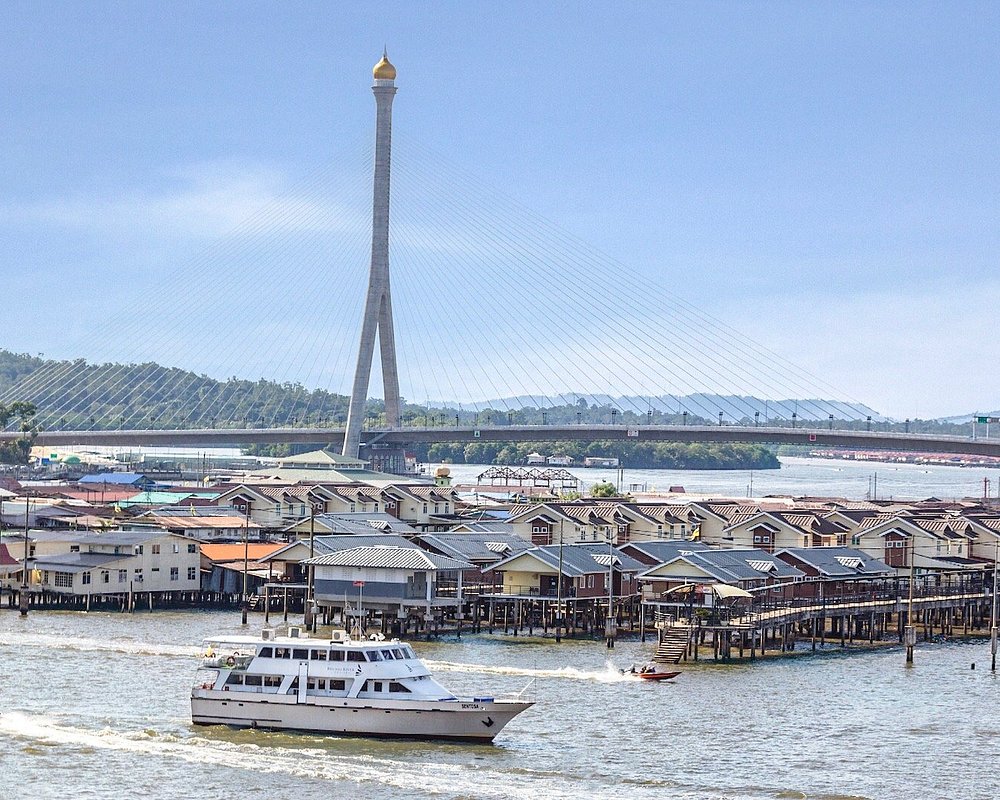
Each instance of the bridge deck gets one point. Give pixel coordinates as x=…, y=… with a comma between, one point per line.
x=818, y=437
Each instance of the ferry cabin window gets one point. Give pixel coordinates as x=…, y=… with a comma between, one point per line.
x=374, y=655
x=300, y=652
x=234, y=679
x=356, y=655
x=409, y=651
x=272, y=680
x=336, y=655
x=253, y=680
x=337, y=686
x=282, y=652
x=265, y=652
x=399, y=654
x=317, y=655
x=395, y=686
x=388, y=655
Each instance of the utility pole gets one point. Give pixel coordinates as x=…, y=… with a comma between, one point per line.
x=910, y=633
x=993, y=616
x=310, y=612
x=609, y=623
x=559, y=581
x=245, y=605
x=25, y=576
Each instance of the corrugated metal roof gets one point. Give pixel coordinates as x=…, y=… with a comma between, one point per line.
x=382, y=557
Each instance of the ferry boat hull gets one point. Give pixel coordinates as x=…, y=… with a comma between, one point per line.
x=479, y=720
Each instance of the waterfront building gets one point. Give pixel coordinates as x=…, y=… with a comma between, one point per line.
x=584, y=568
x=390, y=579
x=349, y=523
x=422, y=505
x=592, y=520
x=749, y=569
x=288, y=559
x=204, y=528
x=117, y=562
x=223, y=566
x=931, y=544
x=775, y=530
x=832, y=572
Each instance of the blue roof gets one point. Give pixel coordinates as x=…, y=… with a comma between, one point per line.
x=116, y=478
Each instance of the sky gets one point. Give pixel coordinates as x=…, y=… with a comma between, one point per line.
x=823, y=177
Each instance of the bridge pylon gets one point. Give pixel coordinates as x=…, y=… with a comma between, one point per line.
x=378, y=303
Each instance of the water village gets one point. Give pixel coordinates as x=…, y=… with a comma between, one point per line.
x=320, y=538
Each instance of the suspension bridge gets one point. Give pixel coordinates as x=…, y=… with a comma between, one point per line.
x=498, y=315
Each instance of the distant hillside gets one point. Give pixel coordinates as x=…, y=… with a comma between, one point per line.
x=699, y=404
x=77, y=395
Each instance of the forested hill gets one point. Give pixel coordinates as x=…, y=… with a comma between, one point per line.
x=79, y=395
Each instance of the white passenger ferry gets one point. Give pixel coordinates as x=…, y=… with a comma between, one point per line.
x=337, y=685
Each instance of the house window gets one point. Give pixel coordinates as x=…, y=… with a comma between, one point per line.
x=425, y=508
x=192, y=573
x=74, y=548
x=353, y=507
x=175, y=573
x=63, y=579
x=86, y=578
x=177, y=548
x=155, y=550
x=105, y=576
x=122, y=575
x=192, y=548
x=375, y=507
x=138, y=550
x=138, y=576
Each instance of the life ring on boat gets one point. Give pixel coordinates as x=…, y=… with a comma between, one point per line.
x=231, y=661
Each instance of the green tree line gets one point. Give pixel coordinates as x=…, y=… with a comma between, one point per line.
x=634, y=455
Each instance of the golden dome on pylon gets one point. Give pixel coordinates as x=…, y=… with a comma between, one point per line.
x=383, y=70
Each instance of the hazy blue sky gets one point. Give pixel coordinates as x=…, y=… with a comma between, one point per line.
x=823, y=176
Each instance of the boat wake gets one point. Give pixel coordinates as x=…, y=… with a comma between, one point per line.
x=315, y=764
x=84, y=644
x=610, y=673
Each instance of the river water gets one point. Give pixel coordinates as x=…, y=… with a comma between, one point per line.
x=96, y=706
x=797, y=476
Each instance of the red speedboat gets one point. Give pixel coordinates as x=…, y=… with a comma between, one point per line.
x=657, y=676
x=651, y=672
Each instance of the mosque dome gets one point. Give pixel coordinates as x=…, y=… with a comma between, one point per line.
x=383, y=70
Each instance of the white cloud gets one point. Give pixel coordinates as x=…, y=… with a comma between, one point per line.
x=207, y=200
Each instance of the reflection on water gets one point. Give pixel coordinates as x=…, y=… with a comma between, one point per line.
x=97, y=703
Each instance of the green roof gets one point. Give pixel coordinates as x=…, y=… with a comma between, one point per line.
x=158, y=498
